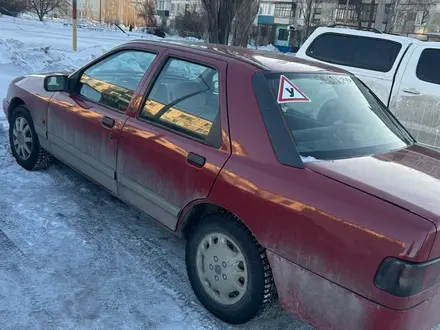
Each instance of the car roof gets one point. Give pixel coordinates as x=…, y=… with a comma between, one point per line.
x=264, y=60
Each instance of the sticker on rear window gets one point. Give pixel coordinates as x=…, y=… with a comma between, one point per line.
x=288, y=92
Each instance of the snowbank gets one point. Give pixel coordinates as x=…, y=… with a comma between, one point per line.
x=268, y=48
x=38, y=57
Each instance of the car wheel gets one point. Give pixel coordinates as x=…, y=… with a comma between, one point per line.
x=228, y=269
x=24, y=142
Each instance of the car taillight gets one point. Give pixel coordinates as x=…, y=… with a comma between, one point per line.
x=403, y=278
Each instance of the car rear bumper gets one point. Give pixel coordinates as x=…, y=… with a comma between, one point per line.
x=328, y=306
x=6, y=107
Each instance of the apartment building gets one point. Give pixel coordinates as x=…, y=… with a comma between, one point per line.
x=167, y=10
x=276, y=22
x=282, y=23
x=89, y=9
x=405, y=17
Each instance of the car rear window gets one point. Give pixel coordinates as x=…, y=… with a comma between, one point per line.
x=427, y=69
x=355, y=51
x=334, y=116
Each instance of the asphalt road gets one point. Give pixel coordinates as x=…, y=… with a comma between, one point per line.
x=74, y=257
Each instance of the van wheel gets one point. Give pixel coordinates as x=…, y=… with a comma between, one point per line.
x=228, y=269
x=24, y=142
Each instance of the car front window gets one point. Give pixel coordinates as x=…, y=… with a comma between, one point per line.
x=113, y=81
x=333, y=116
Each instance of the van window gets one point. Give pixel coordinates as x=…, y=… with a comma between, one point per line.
x=428, y=69
x=355, y=51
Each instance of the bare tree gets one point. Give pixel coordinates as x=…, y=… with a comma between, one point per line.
x=220, y=14
x=245, y=14
x=308, y=9
x=372, y=12
x=192, y=21
x=44, y=7
x=147, y=12
x=403, y=11
x=358, y=8
x=434, y=24
x=111, y=12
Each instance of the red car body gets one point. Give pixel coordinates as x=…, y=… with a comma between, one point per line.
x=327, y=227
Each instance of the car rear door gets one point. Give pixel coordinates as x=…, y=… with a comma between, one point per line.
x=416, y=102
x=173, y=148
x=84, y=126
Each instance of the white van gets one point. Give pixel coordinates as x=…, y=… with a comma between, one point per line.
x=403, y=72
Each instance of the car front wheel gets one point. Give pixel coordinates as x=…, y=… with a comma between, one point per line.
x=228, y=269
x=24, y=141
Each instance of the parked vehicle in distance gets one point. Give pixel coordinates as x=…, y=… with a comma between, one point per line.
x=404, y=72
x=288, y=178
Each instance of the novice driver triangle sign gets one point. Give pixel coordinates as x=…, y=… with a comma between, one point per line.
x=288, y=92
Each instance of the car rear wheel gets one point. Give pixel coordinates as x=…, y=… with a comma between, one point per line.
x=228, y=269
x=24, y=141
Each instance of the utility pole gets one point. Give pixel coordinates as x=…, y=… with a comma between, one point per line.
x=380, y=14
x=346, y=11
x=74, y=27
x=100, y=11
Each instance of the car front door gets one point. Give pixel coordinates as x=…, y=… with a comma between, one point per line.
x=173, y=148
x=417, y=104
x=84, y=126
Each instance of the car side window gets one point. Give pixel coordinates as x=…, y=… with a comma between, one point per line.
x=186, y=100
x=112, y=82
x=356, y=51
x=428, y=69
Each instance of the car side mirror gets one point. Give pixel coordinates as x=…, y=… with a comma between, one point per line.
x=55, y=83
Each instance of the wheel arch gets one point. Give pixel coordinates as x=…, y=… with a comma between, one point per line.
x=15, y=102
x=194, y=212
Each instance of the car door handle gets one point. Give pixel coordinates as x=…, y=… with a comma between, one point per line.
x=195, y=159
x=108, y=122
x=412, y=91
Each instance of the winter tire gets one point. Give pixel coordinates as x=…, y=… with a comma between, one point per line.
x=24, y=142
x=228, y=269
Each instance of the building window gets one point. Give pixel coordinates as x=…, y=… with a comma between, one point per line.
x=283, y=35
x=420, y=17
x=161, y=5
x=285, y=10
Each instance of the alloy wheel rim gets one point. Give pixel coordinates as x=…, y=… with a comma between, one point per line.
x=22, y=138
x=222, y=269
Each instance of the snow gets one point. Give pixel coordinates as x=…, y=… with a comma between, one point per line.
x=309, y=159
x=268, y=48
x=74, y=257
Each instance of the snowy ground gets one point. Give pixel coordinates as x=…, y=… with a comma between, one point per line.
x=73, y=257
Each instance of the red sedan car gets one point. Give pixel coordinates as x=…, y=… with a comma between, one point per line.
x=288, y=179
